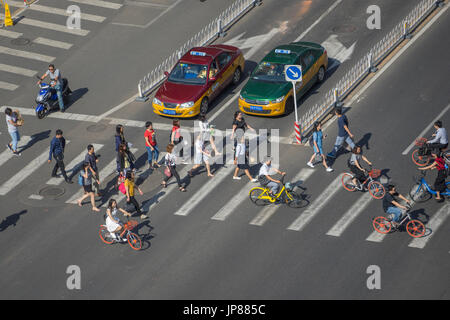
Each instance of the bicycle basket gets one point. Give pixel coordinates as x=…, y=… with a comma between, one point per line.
x=374, y=173
x=289, y=186
x=420, y=142
x=131, y=224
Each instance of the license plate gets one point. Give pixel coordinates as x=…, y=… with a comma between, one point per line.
x=169, y=111
x=256, y=108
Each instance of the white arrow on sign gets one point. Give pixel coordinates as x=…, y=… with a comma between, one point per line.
x=337, y=51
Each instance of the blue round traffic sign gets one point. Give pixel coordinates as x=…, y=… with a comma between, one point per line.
x=293, y=73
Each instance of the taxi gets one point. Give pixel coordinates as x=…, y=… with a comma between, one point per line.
x=267, y=93
x=197, y=79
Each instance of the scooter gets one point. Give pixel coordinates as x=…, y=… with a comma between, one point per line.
x=47, y=99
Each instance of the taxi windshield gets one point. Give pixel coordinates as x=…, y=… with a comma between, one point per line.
x=187, y=73
x=267, y=71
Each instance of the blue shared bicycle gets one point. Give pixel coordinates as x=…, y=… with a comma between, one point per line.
x=422, y=191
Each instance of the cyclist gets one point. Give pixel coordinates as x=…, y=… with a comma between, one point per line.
x=439, y=183
x=391, y=205
x=113, y=223
x=440, y=140
x=354, y=163
x=264, y=176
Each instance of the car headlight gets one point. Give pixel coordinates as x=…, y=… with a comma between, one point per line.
x=187, y=104
x=278, y=100
x=241, y=97
x=157, y=101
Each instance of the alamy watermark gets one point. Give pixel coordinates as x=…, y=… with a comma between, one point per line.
x=74, y=19
x=374, y=280
x=374, y=20
x=74, y=280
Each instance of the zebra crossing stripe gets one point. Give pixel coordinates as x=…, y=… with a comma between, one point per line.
x=436, y=221
x=26, y=54
x=100, y=3
x=316, y=206
x=52, y=43
x=8, y=86
x=10, y=34
x=75, y=162
x=7, y=154
x=57, y=11
x=267, y=212
x=17, y=70
x=53, y=26
x=233, y=204
x=350, y=215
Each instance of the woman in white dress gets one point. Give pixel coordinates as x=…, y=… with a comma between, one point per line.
x=113, y=223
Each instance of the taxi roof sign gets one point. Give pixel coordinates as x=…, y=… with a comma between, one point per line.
x=198, y=53
x=282, y=51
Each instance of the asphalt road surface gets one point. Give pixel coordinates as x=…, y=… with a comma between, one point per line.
x=212, y=242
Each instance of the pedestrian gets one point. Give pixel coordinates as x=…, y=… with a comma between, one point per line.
x=354, y=163
x=206, y=131
x=170, y=161
x=440, y=140
x=13, y=124
x=317, y=138
x=124, y=163
x=201, y=154
x=130, y=187
x=92, y=159
x=56, y=83
x=85, y=179
x=344, y=134
x=119, y=137
x=241, y=161
x=439, y=165
x=151, y=145
x=57, y=146
x=176, y=138
x=239, y=123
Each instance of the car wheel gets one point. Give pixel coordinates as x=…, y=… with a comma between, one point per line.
x=321, y=74
x=289, y=106
x=204, y=106
x=237, y=76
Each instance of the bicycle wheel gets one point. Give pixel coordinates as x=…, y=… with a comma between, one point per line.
x=376, y=190
x=415, y=228
x=382, y=225
x=419, y=160
x=105, y=235
x=134, y=241
x=347, y=182
x=419, y=194
x=294, y=200
x=259, y=196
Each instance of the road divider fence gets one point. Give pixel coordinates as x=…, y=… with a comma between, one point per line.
x=366, y=65
x=209, y=33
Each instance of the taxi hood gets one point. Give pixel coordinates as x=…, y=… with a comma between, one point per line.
x=178, y=92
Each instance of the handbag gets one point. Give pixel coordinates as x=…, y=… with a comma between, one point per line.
x=80, y=179
x=167, y=172
x=122, y=188
x=20, y=121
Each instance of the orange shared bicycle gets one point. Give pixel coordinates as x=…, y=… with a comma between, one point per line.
x=133, y=239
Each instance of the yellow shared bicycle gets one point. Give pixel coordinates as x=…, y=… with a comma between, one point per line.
x=262, y=196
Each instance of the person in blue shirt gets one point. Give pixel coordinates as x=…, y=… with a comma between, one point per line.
x=317, y=138
x=57, y=146
x=344, y=133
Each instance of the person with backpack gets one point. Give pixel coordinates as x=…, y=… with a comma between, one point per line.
x=316, y=143
x=120, y=139
x=13, y=130
x=85, y=180
x=344, y=133
x=130, y=187
x=442, y=169
x=170, y=161
x=124, y=163
x=57, y=146
x=151, y=146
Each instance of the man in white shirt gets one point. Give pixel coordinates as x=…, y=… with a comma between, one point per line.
x=440, y=140
x=265, y=173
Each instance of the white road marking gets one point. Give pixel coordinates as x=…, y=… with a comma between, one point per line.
x=424, y=132
x=36, y=197
x=313, y=209
x=57, y=11
x=350, y=215
x=436, y=221
x=146, y=4
x=267, y=212
x=10, y=34
x=53, y=43
x=7, y=154
x=26, y=54
x=56, y=115
x=22, y=174
x=8, y=86
x=53, y=26
x=99, y=3
x=336, y=50
x=233, y=204
x=334, y=5
x=17, y=70
x=74, y=163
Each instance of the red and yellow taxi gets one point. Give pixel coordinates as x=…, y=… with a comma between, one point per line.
x=197, y=79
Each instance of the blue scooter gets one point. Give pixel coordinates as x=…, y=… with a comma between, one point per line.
x=47, y=99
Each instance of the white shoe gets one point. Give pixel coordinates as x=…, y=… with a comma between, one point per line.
x=310, y=164
x=236, y=178
x=254, y=180
x=330, y=169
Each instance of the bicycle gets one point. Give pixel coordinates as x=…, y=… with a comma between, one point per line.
x=133, y=239
x=421, y=156
x=375, y=188
x=422, y=191
x=262, y=196
x=414, y=227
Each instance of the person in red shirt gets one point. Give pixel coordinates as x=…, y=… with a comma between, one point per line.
x=151, y=146
x=439, y=183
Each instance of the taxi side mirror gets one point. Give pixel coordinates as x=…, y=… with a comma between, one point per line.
x=212, y=79
x=166, y=73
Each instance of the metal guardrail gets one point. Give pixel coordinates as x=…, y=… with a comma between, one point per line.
x=367, y=64
x=209, y=33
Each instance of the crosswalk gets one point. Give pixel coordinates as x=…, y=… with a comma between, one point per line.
x=45, y=16
x=234, y=205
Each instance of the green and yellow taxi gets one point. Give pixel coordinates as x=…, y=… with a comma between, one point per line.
x=267, y=93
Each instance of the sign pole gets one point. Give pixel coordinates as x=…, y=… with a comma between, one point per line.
x=294, y=74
